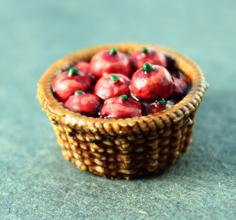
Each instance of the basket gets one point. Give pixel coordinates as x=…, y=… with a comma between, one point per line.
x=123, y=148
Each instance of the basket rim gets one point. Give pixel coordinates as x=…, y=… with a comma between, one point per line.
x=164, y=118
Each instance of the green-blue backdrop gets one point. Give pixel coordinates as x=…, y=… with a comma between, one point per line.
x=37, y=183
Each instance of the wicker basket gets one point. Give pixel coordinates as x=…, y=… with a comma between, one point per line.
x=123, y=148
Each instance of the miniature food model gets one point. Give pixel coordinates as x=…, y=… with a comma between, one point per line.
x=84, y=103
x=156, y=106
x=106, y=86
x=112, y=85
x=150, y=82
x=110, y=61
x=180, y=88
x=121, y=107
x=66, y=83
x=148, y=55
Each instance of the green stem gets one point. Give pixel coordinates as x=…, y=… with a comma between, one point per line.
x=124, y=97
x=73, y=71
x=162, y=101
x=114, y=78
x=147, y=67
x=144, y=50
x=78, y=92
x=113, y=51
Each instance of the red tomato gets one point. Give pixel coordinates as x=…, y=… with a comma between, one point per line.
x=112, y=85
x=120, y=107
x=66, y=83
x=84, y=103
x=150, y=82
x=110, y=61
x=148, y=55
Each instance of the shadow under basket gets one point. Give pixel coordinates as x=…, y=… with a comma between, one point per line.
x=123, y=148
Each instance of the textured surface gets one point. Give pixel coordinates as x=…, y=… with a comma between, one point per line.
x=122, y=149
x=37, y=183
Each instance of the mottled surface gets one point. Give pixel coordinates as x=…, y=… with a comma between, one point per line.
x=37, y=183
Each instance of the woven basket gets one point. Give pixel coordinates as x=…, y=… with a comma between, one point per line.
x=123, y=148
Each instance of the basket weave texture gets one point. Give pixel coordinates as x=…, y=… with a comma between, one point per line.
x=123, y=148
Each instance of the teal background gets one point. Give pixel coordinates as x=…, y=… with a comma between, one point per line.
x=37, y=183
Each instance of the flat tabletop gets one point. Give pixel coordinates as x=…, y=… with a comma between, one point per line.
x=37, y=183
